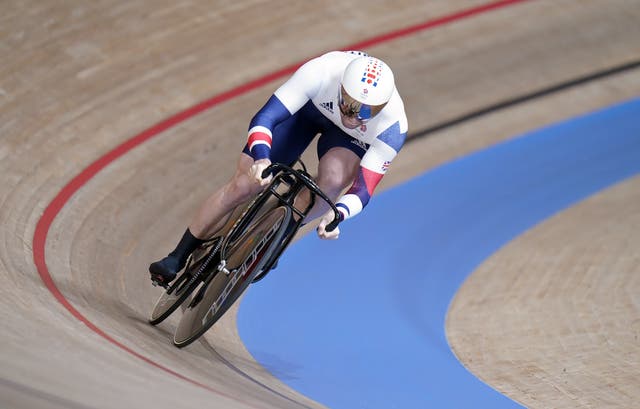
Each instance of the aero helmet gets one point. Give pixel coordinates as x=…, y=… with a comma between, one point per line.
x=366, y=86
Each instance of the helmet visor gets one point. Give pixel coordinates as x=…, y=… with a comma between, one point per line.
x=352, y=108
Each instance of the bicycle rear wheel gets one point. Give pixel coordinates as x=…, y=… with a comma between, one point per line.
x=250, y=253
x=199, y=265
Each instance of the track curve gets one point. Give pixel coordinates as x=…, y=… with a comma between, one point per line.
x=70, y=92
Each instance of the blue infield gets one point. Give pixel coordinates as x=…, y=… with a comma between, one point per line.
x=359, y=322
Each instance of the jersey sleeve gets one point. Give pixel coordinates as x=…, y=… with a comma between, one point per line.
x=374, y=165
x=303, y=85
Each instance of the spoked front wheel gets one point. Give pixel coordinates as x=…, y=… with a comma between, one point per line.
x=197, y=269
x=247, y=256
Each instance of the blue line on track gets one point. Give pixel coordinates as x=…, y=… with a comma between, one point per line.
x=359, y=323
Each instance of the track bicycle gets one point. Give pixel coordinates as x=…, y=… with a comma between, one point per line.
x=244, y=251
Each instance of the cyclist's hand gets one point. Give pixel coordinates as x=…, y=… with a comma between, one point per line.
x=327, y=235
x=255, y=172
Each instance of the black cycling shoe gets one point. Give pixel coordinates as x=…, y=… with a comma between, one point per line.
x=165, y=271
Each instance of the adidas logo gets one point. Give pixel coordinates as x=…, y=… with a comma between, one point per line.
x=360, y=144
x=328, y=106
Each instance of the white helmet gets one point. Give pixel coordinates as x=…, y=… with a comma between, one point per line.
x=366, y=86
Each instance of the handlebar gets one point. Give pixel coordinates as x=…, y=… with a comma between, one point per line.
x=311, y=185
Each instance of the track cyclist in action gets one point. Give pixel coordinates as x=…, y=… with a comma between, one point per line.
x=350, y=99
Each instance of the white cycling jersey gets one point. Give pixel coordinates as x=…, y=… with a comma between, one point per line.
x=318, y=81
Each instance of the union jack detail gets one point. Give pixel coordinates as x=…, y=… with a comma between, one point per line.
x=257, y=138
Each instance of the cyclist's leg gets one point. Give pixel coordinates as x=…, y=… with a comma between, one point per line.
x=340, y=157
x=213, y=213
x=210, y=217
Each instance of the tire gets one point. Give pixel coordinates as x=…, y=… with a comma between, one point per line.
x=262, y=239
x=197, y=269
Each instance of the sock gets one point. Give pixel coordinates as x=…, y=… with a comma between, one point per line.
x=185, y=247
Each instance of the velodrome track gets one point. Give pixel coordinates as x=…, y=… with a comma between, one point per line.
x=80, y=222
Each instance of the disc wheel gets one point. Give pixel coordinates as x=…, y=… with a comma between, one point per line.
x=247, y=255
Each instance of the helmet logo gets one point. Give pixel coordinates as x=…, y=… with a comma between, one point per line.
x=372, y=73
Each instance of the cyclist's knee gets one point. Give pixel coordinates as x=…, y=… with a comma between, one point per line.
x=336, y=170
x=241, y=188
x=333, y=181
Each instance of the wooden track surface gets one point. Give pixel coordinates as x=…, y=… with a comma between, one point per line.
x=79, y=78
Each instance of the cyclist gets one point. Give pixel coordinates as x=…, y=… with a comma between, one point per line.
x=350, y=99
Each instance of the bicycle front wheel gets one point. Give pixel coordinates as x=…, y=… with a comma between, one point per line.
x=251, y=252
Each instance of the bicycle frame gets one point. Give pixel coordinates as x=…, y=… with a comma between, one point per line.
x=246, y=249
x=294, y=181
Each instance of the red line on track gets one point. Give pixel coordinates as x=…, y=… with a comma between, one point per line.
x=46, y=220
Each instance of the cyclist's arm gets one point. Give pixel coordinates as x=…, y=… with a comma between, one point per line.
x=286, y=101
x=374, y=165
